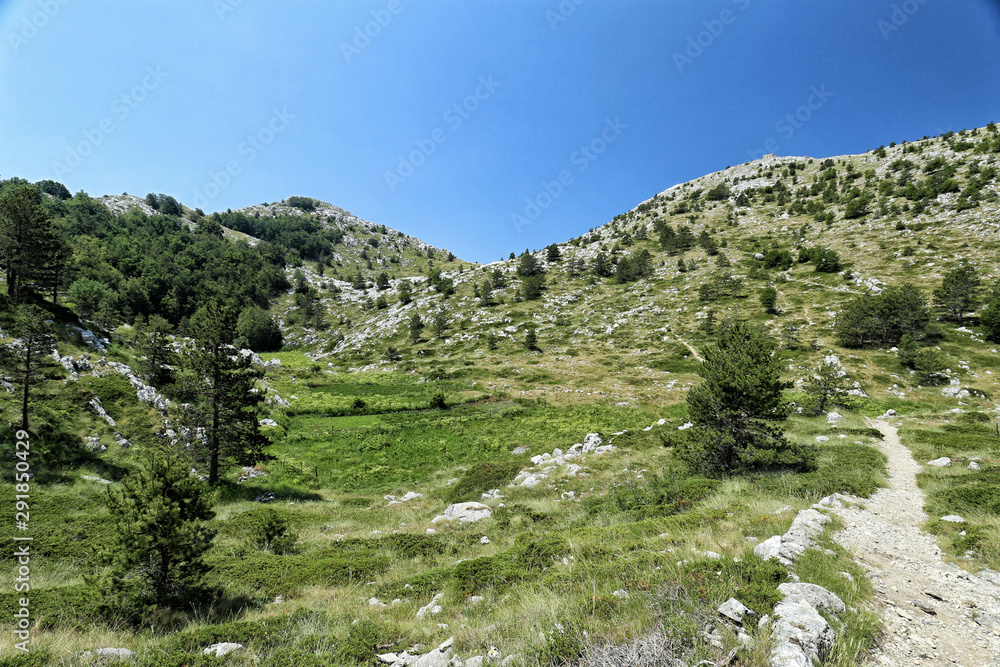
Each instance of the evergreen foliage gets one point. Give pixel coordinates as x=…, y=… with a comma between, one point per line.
x=735, y=408
x=870, y=320
x=155, y=555
x=958, y=293
x=221, y=380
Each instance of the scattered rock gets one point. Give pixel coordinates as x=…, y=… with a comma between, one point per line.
x=465, y=513
x=813, y=595
x=432, y=607
x=953, y=518
x=110, y=652
x=834, y=417
x=222, y=649
x=735, y=610
x=943, y=462
x=801, y=635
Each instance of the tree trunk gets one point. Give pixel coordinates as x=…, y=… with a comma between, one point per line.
x=27, y=384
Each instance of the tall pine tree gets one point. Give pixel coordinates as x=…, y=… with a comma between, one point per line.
x=31, y=250
x=223, y=380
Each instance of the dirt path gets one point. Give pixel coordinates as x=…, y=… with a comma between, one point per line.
x=929, y=606
x=694, y=352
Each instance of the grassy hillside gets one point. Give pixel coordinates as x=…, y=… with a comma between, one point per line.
x=605, y=549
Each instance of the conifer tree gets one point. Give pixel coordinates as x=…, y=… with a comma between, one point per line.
x=223, y=379
x=31, y=250
x=28, y=360
x=161, y=534
x=826, y=386
x=735, y=408
x=416, y=328
x=958, y=293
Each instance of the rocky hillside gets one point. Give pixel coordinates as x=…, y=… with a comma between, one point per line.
x=906, y=213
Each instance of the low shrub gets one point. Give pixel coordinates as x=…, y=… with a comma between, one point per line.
x=656, y=496
x=751, y=580
x=481, y=478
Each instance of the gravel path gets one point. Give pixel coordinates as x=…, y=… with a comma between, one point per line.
x=935, y=613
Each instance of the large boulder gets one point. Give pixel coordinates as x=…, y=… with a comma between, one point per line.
x=800, y=631
x=812, y=594
x=222, y=648
x=469, y=512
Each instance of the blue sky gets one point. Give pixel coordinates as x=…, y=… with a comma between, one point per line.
x=484, y=126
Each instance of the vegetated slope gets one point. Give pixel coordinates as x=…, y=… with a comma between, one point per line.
x=828, y=230
x=347, y=244
x=609, y=553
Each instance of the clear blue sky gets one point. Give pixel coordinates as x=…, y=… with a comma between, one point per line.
x=228, y=103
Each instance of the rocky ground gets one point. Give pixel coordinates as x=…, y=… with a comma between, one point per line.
x=935, y=613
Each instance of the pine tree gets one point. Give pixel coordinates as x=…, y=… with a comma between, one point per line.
x=735, y=408
x=829, y=382
x=440, y=324
x=531, y=339
x=416, y=327
x=28, y=360
x=153, y=343
x=405, y=292
x=958, y=293
x=31, y=249
x=601, y=267
x=769, y=299
x=160, y=536
x=223, y=379
x=382, y=281
x=552, y=253
x=528, y=265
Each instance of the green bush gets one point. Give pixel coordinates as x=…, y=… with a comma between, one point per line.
x=481, y=478
x=270, y=532
x=69, y=606
x=520, y=563
x=363, y=642
x=410, y=545
x=751, y=580
x=656, y=496
x=114, y=391
x=273, y=574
